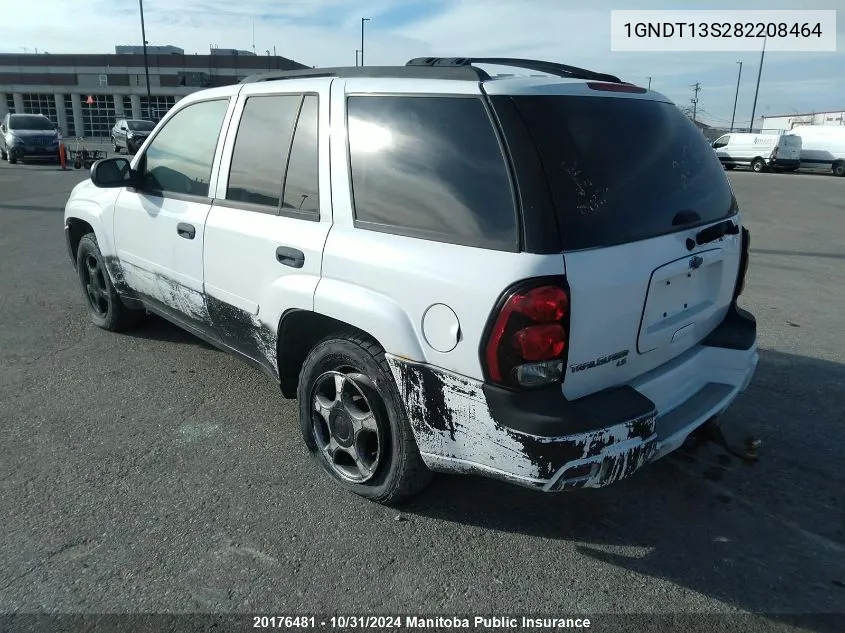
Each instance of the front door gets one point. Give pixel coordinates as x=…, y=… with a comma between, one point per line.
x=159, y=227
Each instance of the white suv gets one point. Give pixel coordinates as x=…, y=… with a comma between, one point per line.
x=533, y=278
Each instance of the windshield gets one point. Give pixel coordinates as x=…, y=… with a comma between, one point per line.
x=140, y=126
x=622, y=169
x=30, y=122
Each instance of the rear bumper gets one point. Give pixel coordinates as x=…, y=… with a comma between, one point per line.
x=546, y=442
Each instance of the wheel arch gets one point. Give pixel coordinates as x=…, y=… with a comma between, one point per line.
x=298, y=332
x=75, y=228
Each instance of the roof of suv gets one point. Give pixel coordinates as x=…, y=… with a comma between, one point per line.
x=457, y=68
x=542, y=77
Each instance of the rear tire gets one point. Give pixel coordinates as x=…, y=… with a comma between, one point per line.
x=104, y=305
x=758, y=165
x=348, y=397
x=839, y=169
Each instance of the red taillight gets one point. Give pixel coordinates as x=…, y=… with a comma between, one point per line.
x=527, y=342
x=540, y=342
x=609, y=87
x=547, y=303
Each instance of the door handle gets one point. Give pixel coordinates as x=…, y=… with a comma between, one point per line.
x=188, y=231
x=290, y=257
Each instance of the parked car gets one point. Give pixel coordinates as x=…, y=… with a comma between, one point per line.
x=822, y=147
x=762, y=152
x=130, y=134
x=28, y=135
x=459, y=275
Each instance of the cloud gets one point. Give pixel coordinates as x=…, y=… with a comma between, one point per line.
x=327, y=33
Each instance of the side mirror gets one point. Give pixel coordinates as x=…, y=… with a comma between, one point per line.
x=112, y=172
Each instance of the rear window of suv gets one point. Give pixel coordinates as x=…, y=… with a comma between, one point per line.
x=622, y=170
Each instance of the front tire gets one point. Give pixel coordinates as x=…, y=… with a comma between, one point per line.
x=354, y=424
x=104, y=305
x=839, y=169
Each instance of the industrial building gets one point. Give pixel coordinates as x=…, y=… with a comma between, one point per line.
x=85, y=94
x=784, y=122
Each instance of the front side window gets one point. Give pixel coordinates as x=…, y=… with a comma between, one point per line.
x=430, y=167
x=180, y=157
x=261, y=148
x=721, y=141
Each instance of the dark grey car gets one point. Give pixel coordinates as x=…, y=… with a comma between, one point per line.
x=28, y=135
x=130, y=134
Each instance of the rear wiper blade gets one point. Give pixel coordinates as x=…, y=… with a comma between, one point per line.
x=713, y=233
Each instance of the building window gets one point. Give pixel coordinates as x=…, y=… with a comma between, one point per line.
x=41, y=104
x=103, y=79
x=99, y=117
x=154, y=108
x=71, y=122
x=10, y=103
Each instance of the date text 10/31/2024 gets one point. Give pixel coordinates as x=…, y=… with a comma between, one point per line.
x=417, y=622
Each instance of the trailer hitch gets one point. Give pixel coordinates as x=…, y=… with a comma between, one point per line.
x=712, y=432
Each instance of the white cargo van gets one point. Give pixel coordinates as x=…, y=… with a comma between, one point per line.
x=759, y=151
x=822, y=147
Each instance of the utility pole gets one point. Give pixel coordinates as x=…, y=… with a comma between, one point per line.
x=362, y=38
x=696, y=87
x=649, y=83
x=736, y=96
x=144, y=40
x=757, y=89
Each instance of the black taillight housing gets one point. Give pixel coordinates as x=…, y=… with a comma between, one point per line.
x=526, y=340
x=743, y=263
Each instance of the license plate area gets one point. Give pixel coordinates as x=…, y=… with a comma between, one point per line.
x=680, y=294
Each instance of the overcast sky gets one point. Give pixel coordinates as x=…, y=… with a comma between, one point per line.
x=327, y=32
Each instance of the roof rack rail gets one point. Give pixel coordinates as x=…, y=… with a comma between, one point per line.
x=400, y=72
x=550, y=68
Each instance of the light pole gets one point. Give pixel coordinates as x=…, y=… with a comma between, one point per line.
x=736, y=96
x=757, y=89
x=649, y=83
x=144, y=40
x=362, y=38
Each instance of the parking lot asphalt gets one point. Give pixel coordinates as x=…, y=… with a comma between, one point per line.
x=150, y=472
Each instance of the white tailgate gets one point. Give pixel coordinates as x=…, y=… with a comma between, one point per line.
x=636, y=306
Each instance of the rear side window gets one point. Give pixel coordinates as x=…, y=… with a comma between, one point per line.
x=430, y=167
x=622, y=169
x=301, y=188
x=261, y=148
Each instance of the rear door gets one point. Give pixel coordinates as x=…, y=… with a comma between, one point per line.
x=634, y=183
x=265, y=233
